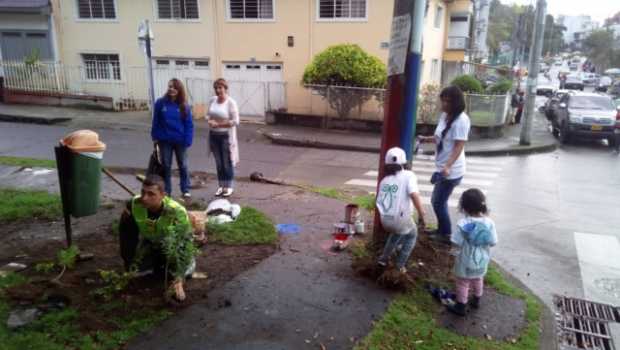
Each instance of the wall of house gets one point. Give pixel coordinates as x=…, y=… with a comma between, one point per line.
x=433, y=42
x=457, y=6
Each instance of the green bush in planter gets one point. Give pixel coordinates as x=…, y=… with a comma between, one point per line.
x=501, y=87
x=468, y=84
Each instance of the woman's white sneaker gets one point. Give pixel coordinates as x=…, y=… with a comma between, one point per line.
x=219, y=192
x=227, y=192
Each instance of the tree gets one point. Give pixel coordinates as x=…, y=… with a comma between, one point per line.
x=554, y=36
x=349, y=67
x=598, y=48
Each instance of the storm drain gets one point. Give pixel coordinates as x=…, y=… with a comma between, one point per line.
x=584, y=324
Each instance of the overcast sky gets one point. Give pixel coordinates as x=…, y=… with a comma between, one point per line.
x=599, y=10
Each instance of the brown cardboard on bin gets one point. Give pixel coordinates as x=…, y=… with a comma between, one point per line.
x=83, y=141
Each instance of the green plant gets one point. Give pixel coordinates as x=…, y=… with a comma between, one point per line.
x=67, y=259
x=33, y=58
x=366, y=201
x=350, y=66
x=45, y=267
x=468, y=84
x=27, y=162
x=179, y=249
x=115, y=283
x=428, y=109
x=501, y=87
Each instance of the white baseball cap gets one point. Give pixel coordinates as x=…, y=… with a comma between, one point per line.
x=395, y=155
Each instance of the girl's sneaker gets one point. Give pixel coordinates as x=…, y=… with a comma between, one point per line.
x=219, y=192
x=457, y=309
x=475, y=302
x=227, y=192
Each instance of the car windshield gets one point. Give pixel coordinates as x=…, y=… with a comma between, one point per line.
x=591, y=102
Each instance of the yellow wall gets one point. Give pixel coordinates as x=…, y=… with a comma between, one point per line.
x=456, y=6
x=433, y=41
x=177, y=38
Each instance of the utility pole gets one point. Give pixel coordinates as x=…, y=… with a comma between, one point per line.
x=145, y=39
x=404, y=61
x=535, y=51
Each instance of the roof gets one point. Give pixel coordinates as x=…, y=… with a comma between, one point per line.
x=23, y=3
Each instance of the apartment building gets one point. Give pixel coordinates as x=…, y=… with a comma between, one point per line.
x=261, y=46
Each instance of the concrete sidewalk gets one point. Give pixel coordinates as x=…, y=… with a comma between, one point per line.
x=542, y=140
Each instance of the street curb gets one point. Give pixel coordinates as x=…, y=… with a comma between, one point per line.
x=32, y=120
x=508, y=151
x=548, y=338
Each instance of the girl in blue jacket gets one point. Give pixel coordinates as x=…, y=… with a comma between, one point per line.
x=475, y=236
x=173, y=131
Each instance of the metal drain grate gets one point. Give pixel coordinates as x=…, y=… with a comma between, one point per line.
x=588, y=309
x=584, y=324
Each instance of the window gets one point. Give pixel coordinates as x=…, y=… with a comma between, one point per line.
x=233, y=66
x=102, y=67
x=438, y=17
x=201, y=64
x=162, y=63
x=96, y=9
x=181, y=64
x=274, y=67
x=435, y=69
x=250, y=67
x=343, y=9
x=177, y=9
x=251, y=9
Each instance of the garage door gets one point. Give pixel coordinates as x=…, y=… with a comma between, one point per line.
x=257, y=87
x=184, y=69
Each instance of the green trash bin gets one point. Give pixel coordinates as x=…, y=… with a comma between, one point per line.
x=84, y=172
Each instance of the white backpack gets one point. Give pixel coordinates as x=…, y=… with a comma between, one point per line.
x=394, y=204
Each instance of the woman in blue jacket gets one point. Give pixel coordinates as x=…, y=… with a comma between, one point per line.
x=173, y=130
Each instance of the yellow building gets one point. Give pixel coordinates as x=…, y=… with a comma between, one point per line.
x=261, y=46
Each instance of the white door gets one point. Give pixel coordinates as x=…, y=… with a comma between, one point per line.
x=186, y=70
x=249, y=84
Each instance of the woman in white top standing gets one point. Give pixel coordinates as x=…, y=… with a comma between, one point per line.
x=223, y=118
x=450, y=136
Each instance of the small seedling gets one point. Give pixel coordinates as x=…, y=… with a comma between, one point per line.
x=66, y=259
x=115, y=283
x=45, y=267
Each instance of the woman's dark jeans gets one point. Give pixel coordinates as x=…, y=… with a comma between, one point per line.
x=180, y=153
x=220, y=146
x=441, y=193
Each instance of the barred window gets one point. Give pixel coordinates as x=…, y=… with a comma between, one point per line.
x=334, y=9
x=96, y=9
x=102, y=67
x=251, y=9
x=177, y=9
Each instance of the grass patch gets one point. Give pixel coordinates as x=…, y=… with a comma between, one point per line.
x=58, y=330
x=251, y=227
x=330, y=192
x=27, y=162
x=27, y=204
x=365, y=202
x=409, y=323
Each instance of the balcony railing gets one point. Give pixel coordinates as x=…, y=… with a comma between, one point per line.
x=458, y=43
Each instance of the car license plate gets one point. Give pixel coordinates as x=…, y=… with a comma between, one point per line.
x=597, y=127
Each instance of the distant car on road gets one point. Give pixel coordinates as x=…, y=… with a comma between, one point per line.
x=614, y=90
x=573, y=67
x=604, y=83
x=573, y=82
x=544, y=89
x=585, y=115
x=590, y=79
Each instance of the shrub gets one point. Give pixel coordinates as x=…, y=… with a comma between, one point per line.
x=501, y=87
x=345, y=65
x=468, y=84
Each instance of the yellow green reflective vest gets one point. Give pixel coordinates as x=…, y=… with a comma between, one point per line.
x=173, y=214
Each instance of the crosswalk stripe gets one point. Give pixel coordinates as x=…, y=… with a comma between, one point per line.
x=475, y=167
x=375, y=173
x=468, y=160
x=423, y=187
x=425, y=178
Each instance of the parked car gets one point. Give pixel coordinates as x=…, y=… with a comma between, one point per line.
x=550, y=106
x=604, y=83
x=545, y=89
x=574, y=82
x=573, y=67
x=590, y=79
x=585, y=115
x=614, y=90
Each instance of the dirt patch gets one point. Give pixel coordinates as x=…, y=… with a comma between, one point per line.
x=24, y=243
x=430, y=262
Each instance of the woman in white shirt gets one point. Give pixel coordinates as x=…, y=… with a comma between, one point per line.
x=223, y=118
x=450, y=136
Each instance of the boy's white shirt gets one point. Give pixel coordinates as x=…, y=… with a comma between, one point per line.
x=394, y=197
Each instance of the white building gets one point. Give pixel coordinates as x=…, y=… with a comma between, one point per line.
x=576, y=24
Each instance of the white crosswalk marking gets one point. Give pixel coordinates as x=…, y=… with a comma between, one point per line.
x=480, y=174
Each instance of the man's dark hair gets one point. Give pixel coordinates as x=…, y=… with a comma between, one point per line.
x=473, y=202
x=154, y=180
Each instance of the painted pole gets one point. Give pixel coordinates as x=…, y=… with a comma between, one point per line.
x=149, y=63
x=399, y=120
x=532, y=78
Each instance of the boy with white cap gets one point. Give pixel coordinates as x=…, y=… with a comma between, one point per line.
x=398, y=194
